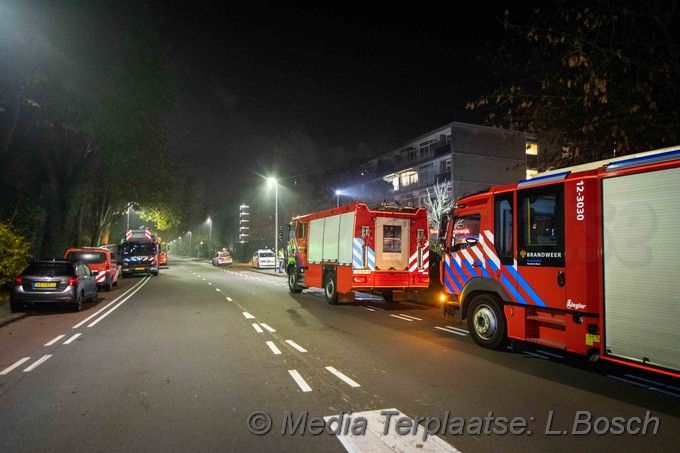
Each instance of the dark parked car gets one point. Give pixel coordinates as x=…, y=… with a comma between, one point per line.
x=54, y=282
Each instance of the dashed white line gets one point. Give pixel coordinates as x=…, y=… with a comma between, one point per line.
x=248, y=315
x=267, y=327
x=209, y=283
x=218, y=290
x=50, y=343
x=16, y=364
x=300, y=381
x=229, y=299
x=296, y=346
x=257, y=328
x=273, y=347
x=402, y=318
x=411, y=317
x=349, y=381
x=72, y=339
x=462, y=334
x=37, y=363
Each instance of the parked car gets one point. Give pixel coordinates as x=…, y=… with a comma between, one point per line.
x=222, y=259
x=54, y=282
x=264, y=258
x=102, y=261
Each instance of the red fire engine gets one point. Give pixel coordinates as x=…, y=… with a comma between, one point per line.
x=356, y=248
x=583, y=259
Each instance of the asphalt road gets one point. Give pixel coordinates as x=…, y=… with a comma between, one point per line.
x=182, y=361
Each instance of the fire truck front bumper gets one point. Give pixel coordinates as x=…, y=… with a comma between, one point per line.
x=450, y=304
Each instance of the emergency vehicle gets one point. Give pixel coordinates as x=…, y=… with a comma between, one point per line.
x=358, y=248
x=140, y=253
x=582, y=259
x=163, y=255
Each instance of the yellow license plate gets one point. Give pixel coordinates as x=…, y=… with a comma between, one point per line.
x=45, y=285
x=139, y=268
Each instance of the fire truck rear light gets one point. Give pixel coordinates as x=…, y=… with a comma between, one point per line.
x=423, y=279
x=359, y=279
x=73, y=281
x=442, y=297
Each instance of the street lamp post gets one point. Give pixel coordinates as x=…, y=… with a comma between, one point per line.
x=337, y=196
x=189, y=233
x=209, y=237
x=276, y=220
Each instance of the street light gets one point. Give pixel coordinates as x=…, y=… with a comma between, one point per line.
x=189, y=233
x=209, y=237
x=199, y=251
x=337, y=195
x=272, y=181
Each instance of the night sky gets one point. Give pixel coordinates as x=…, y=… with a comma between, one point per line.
x=286, y=88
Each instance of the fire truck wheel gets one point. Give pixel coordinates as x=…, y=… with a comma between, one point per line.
x=330, y=289
x=486, y=322
x=293, y=282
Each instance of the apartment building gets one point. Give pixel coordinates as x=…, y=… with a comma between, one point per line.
x=466, y=157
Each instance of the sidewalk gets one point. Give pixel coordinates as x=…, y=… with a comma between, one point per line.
x=6, y=315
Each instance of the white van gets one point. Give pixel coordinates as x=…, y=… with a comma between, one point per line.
x=264, y=258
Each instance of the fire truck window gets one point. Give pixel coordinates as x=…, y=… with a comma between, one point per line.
x=503, y=228
x=301, y=230
x=465, y=232
x=541, y=227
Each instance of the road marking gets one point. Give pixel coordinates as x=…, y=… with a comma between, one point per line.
x=343, y=377
x=257, y=328
x=55, y=340
x=118, y=304
x=72, y=339
x=218, y=290
x=366, y=308
x=373, y=438
x=296, y=346
x=267, y=327
x=273, y=347
x=37, y=363
x=404, y=319
x=462, y=334
x=301, y=382
x=16, y=364
x=109, y=304
x=409, y=316
x=248, y=315
x=229, y=299
x=209, y=283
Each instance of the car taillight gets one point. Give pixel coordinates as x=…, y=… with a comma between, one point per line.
x=73, y=281
x=18, y=281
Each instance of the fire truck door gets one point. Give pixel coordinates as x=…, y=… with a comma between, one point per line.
x=541, y=246
x=391, y=243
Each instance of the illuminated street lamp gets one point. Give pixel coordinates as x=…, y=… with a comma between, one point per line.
x=189, y=233
x=273, y=182
x=337, y=195
x=199, y=250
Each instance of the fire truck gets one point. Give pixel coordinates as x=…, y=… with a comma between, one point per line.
x=163, y=254
x=140, y=253
x=583, y=259
x=356, y=248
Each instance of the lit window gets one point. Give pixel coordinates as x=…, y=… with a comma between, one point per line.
x=532, y=148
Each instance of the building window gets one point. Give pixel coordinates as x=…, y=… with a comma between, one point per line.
x=532, y=149
x=411, y=154
x=424, y=175
x=395, y=183
x=445, y=166
x=408, y=177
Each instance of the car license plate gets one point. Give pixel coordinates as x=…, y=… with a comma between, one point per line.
x=45, y=284
x=139, y=268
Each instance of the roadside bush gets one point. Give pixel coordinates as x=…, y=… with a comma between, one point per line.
x=14, y=255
